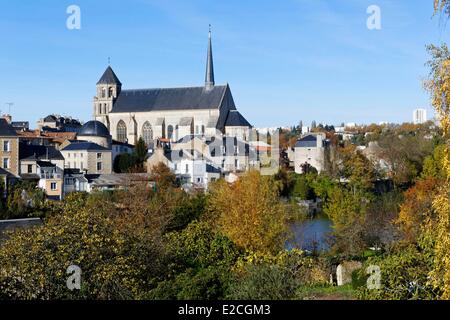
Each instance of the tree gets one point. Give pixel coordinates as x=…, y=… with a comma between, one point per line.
x=432, y=165
x=442, y=5
x=303, y=189
x=416, y=212
x=115, y=264
x=249, y=212
x=347, y=211
x=162, y=176
x=141, y=152
x=438, y=85
x=124, y=163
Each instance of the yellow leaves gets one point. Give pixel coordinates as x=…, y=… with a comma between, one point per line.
x=249, y=212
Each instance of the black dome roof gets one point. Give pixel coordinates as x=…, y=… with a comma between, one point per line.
x=94, y=128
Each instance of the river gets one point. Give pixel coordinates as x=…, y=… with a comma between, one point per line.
x=311, y=234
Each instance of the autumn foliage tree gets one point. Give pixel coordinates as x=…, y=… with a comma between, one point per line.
x=249, y=212
x=439, y=87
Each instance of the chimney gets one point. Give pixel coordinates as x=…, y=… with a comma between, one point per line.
x=7, y=117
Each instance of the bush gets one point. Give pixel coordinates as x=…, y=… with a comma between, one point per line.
x=264, y=282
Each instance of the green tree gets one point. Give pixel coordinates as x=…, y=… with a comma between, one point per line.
x=141, y=152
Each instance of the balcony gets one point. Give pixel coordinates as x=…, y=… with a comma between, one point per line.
x=51, y=175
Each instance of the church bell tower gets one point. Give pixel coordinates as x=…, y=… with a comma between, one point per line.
x=108, y=89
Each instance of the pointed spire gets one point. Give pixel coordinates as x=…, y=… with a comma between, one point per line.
x=209, y=78
x=109, y=77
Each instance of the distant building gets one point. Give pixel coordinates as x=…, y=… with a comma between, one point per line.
x=20, y=125
x=88, y=156
x=419, y=116
x=310, y=149
x=9, y=148
x=55, y=123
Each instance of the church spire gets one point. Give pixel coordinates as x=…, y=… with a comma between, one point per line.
x=209, y=78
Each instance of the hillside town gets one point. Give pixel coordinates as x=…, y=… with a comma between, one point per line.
x=181, y=193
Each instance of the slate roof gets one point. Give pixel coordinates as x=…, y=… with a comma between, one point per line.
x=109, y=77
x=45, y=164
x=6, y=130
x=235, y=119
x=94, y=128
x=90, y=146
x=50, y=118
x=33, y=152
x=20, y=124
x=4, y=172
x=211, y=169
x=189, y=98
x=310, y=141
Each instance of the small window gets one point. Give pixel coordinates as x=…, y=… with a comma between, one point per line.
x=30, y=168
x=82, y=165
x=99, y=155
x=5, y=163
x=187, y=168
x=54, y=186
x=99, y=166
x=6, y=146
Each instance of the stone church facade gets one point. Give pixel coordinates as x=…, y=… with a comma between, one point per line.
x=168, y=113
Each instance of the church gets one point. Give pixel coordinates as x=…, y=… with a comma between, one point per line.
x=168, y=113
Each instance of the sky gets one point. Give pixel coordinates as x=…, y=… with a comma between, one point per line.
x=285, y=60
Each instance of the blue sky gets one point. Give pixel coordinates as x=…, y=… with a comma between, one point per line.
x=285, y=60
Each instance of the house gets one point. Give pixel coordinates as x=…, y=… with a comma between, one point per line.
x=75, y=181
x=32, y=156
x=9, y=148
x=51, y=180
x=231, y=154
x=310, y=149
x=160, y=155
x=56, y=123
x=37, y=137
x=196, y=170
x=88, y=156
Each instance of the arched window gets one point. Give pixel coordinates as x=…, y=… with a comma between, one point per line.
x=121, y=131
x=147, y=133
x=170, y=132
x=103, y=92
x=110, y=93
